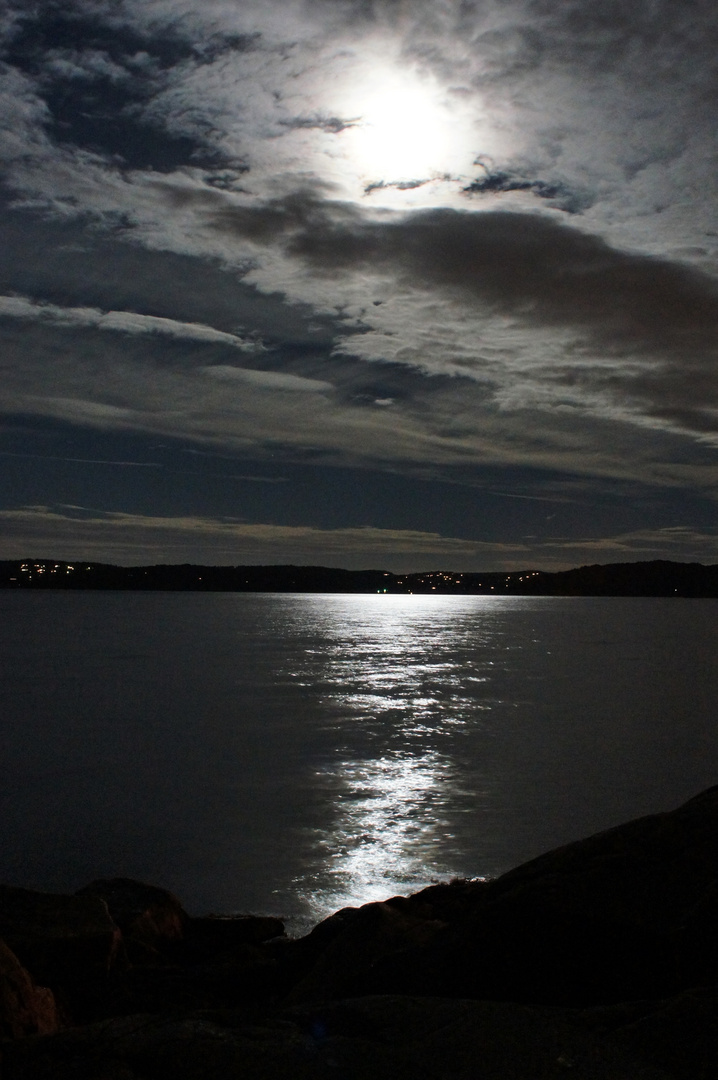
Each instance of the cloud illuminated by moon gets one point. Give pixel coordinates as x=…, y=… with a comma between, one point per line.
x=404, y=132
x=403, y=128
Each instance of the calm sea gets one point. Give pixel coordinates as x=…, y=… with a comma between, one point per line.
x=291, y=754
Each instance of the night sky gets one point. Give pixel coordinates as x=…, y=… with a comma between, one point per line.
x=373, y=283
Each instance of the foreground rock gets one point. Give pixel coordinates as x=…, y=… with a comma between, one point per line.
x=387, y=1038
x=150, y=919
x=627, y=910
x=599, y=958
x=119, y=946
x=629, y=913
x=66, y=943
x=25, y=1009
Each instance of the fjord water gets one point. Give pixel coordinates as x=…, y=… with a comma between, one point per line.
x=291, y=754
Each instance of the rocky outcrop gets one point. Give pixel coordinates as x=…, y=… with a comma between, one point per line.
x=629, y=913
x=150, y=919
x=25, y=1009
x=343, y=954
x=59, y=939
x=386, y=1038
x=600, y=958
x=120, y=946
x=223, y=936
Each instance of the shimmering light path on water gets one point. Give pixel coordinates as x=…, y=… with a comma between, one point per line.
x=293, y=753
x=396, y=677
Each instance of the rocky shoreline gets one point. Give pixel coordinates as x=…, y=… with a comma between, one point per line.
x=598, y=960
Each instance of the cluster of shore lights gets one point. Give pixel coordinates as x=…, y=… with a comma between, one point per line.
x=455, y=578
x=44, y=568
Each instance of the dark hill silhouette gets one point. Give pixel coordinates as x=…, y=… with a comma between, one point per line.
x=656, y=578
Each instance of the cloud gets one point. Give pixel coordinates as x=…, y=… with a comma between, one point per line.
x=134, y=539
x=681, y=543
x=22, y=117
x=82, y=375
x=583, y=99
x=271, y=380
x=86, y=65
x=549, y=316
x=521, y=265
x=101, y=413
x=126, y=322
x=331, y=124
x=85, y=461
x=497, y=328
x=493, y=181
x=69, y=532
x=164, y=385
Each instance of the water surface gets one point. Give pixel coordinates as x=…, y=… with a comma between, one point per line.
x=293, y=753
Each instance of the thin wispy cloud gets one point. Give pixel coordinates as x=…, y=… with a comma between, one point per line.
x=125, y=322
x=139, y=538
x=83, y=461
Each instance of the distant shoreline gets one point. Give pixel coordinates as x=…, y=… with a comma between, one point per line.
x=654, y=578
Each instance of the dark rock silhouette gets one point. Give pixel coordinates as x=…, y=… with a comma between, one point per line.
x=25, y=1009
x=150, y=919
x=599, y=958
x=629, y=913
x=58, y=938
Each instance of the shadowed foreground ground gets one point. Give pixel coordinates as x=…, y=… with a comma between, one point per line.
x=596, y=961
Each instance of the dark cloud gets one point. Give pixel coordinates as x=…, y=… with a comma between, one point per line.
x=611, y=34
x=508, y=53
x=650, y=40
x=89, y=122
x=520, y=264
x=643, y=328
x=496, y=181
x=331, y=124
x=398, y=185
x=96, y=75
x=48, y=29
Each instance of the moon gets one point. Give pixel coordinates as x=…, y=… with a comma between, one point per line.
x=405, y=131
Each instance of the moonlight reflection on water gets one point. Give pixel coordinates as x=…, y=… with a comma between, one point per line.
x=389, y=819
x=393, y=673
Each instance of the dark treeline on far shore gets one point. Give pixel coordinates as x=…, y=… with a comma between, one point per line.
x=657, y=578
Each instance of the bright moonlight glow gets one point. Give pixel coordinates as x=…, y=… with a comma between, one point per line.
x=404, y=131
